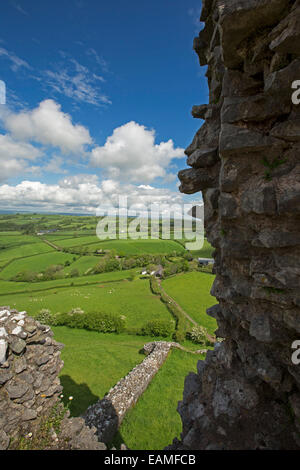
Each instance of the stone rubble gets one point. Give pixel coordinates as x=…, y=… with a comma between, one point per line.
x=29, y=385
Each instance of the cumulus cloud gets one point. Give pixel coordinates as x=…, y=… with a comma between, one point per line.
x=130, y=154
x=48, y=125
x=82, y=193
x=55, y=165
x=14, y=157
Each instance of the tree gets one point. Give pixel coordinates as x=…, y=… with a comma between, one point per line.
x=112, y=265
x=100, y=267
x=74, y=273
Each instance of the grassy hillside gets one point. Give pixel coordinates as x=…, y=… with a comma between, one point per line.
x=95, y=362
x=130, y=299
x=155, y=413
x=35, y=263
x=192, y=292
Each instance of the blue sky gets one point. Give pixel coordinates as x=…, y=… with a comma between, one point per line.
x=98, y=104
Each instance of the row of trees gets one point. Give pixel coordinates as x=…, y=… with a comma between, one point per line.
x=109, y=263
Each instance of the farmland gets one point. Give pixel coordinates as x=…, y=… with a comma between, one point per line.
x=192, y=292
x=56, y=264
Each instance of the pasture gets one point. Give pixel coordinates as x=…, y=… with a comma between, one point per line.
x=95, y=362
x=36, y=263
x=126, y=247
x=155, y=414
x=131, y=299
x=192, y=292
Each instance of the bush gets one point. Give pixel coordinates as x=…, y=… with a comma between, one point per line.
x=74, y=273
x=76, y=311
x=25, y=276
x=112, y=265
x=158, y=328
x=44, y=316
x=93, y=321
x=155, y=286
x=106, y=323
x=198, y=334
x=179, y=335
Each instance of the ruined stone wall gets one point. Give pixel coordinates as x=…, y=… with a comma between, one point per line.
x=107, y=414
x=246, y=160
x=29, y=385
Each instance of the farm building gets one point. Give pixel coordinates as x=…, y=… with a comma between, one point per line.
x=159, y=272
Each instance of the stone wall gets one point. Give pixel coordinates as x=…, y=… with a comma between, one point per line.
x=246, y=160
x=29, y=385
x=107, y=414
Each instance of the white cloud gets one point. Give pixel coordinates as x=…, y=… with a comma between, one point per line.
x=76, y=81
x=100, y=61
x=48, y=125
x=16, y=62
x=55, y=165
x=18, y=7
x=76, y=181
x=14, y=157
x=82, y=193
x=130, y=154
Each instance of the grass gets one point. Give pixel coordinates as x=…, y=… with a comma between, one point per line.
x=131, y=299
x=83, y=264
x=36, y=263
x=205, y=252
x=95, y=362
x=23, y=249
x=154, y=422
x=128, y=247
x=192, y=292
x=11, y=287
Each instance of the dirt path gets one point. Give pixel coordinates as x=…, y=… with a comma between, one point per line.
x=211, y=338
x=175, y=303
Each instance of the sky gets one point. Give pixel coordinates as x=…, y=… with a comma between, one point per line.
x=98, y=102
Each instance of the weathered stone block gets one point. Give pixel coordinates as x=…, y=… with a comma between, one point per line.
x=203, y=158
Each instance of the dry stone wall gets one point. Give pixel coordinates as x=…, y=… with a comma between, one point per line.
x=245, y=159
x=29, y=385
x=107, y=414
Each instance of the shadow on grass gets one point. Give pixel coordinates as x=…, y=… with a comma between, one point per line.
x=82, y=395
x=117, y=441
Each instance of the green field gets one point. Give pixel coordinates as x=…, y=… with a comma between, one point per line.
x=36, y=263
x=83, y=264
x=130, y=299
x=128, y=247
x=155, y=414
x=192, y=292
x=205, y=252
x=19, y=249
x=95, y=362
x=11, y=287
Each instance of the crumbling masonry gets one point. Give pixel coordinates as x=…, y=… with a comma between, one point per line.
x=246, y=160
